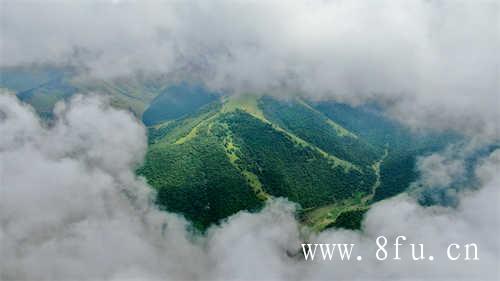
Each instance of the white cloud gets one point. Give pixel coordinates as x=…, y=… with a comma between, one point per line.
x=71, y=208
x=432, y=63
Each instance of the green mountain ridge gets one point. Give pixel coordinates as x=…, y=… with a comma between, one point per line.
x=210, y=156
x=257, y=151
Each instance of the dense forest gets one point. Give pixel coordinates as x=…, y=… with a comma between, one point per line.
x=287, y=169
x=197, y=180
x=317, y=129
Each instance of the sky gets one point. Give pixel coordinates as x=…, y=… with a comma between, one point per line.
x=71, y=207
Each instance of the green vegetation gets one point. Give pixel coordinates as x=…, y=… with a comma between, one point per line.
x=241, y=147
x=326, y=216
x=315, y=128
x=288, y=169
x=259, y=148
x=398, y=169
x=349, y=219
x=197, y=179
x=232, y=152
x=175, y=130
x=248, y=103
x=369, y=123
x=396, y=174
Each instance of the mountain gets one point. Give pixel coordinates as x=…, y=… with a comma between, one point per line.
x=210, y=156
x=237, y=152
x=40, y=86
x=44, y=85
x=234, y=153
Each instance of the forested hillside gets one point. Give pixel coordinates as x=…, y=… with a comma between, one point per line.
x=259, y=148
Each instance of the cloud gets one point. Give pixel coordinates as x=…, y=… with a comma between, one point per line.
x=433, y=64
x=71, y=208
x=439, y=171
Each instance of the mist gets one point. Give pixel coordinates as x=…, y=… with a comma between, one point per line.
x=432, y=64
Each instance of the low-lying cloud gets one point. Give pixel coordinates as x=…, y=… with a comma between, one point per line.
x=432, y=64
x=72, y=208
